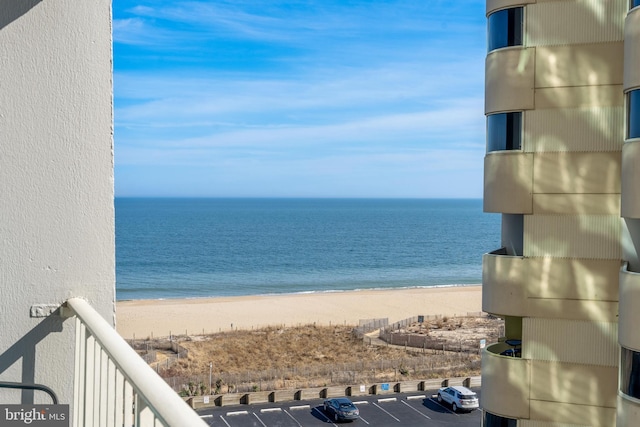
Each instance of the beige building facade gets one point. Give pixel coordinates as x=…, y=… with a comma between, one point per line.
x=562, y=100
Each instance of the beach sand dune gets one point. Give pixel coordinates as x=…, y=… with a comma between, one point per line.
x=159, y=318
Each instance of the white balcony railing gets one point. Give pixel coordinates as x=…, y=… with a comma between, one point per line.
x=113, y=385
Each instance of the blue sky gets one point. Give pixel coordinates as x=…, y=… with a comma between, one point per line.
x=315, y=98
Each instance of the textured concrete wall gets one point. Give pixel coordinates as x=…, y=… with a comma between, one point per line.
x=56, y=183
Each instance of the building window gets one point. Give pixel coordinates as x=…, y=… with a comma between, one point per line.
x=512, y=235
x=635, y=3
x=634, y=114
x=491, y=420
x=504, y=131
x=630, y=372
x=504, y=28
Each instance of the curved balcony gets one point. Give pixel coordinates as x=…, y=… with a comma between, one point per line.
x=508, y=182
x=628, y=309
x=509, y=80
x=505, y=383
x=628, y=411
x=503, y=284
x=493, y=5
x=562, y=288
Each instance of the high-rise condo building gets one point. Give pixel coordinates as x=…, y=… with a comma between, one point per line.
x=563, y=158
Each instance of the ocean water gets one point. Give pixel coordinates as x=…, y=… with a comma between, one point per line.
x=190, y=248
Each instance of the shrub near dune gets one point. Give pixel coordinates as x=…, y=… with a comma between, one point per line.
x=314, y=356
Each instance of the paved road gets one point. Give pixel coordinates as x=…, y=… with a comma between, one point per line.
x=402, y=410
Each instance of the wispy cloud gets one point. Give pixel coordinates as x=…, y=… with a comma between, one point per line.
x=297, y=89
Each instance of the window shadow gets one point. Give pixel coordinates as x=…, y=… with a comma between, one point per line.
x=11, y=10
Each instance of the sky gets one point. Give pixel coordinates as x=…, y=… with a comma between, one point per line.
x=309, y=98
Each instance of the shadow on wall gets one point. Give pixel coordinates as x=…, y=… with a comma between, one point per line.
x=14, y=9
x=24, y=350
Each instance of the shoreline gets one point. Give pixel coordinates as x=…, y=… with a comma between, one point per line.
x=328, y=291
x=203, y=315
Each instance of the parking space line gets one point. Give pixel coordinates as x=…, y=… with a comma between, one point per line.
x=387, y=412
x=292, y=417
x=224, y=421
x=424, y=415
x=324, y=416
x=363, y=420
x=256, y=415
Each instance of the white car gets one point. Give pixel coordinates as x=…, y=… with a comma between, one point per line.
x=460, y=398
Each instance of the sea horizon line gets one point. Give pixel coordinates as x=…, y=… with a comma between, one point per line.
x=293, y=198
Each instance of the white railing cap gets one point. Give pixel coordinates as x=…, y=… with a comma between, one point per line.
x=167, y=406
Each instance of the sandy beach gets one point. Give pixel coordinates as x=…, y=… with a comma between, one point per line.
x=159, y=318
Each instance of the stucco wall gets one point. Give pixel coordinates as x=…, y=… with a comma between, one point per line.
x=56, y=183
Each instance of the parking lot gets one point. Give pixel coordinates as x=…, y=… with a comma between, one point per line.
x=407, y=410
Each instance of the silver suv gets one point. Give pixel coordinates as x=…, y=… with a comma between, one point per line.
x=460, y=398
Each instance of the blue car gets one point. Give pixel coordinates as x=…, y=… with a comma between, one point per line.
x=341, y=409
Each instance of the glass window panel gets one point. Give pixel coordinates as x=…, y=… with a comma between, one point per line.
x=504, y=131
x=630, y=372
x=635, y=3
x=512, y=239
x=514, y=131
x=496, y=132
x=504, y=28
x=634, y=113
x=514, y=29
x=491, y=420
